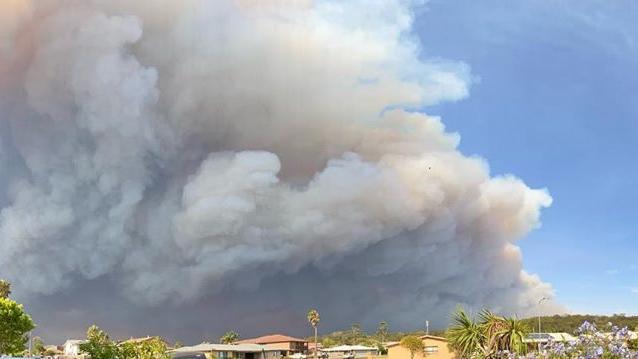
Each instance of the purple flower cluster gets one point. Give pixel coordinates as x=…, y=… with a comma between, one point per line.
x=590, y=343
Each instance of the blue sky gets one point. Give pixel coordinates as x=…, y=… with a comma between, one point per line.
x=555, y=103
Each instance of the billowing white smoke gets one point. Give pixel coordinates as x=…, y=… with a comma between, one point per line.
x=179, y=146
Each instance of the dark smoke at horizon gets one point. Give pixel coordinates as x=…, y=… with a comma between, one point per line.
x=186, y=168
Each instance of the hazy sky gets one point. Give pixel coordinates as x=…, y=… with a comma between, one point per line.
x=556, y=102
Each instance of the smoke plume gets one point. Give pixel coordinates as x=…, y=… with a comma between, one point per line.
x=216, y=156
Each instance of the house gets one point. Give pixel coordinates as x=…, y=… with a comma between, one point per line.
x=351, y=351
x=72, y=347
x=285, y=344
x=228, y=351
x=434, y=348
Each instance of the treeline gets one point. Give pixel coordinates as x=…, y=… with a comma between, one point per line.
x=356, y=336
x=556, y=323
x=570, y=323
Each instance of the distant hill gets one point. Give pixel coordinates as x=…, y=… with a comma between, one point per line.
x=570, y=323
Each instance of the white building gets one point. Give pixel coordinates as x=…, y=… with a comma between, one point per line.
x=231, y=351
x=72, y=347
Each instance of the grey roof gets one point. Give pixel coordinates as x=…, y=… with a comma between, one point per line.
x=207, y=347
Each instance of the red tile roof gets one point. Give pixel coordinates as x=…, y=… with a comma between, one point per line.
x=271, y=339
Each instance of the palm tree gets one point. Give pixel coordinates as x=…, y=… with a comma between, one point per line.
x=465, y=336
x=487, y=337
x=313, y=319
x=491, y=325
x=512, y=334
x=5, y=289
x=229, y=338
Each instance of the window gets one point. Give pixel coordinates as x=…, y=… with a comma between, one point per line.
x=431, y=349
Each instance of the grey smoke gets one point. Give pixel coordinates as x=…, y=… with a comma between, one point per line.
x=199, y=153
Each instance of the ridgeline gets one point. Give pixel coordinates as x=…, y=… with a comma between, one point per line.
x=570, y=323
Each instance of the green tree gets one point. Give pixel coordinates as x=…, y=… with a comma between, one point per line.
x=153, y=348
x=98, y=345
x=5, y=289
x=313, y=319
x=412, y=343
x=229, y=338
x=15, y=323
x=382, y=334
x=328, y=342
x=37, y=345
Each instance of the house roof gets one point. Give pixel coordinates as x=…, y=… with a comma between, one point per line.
x=432, y=337
x=271, y=339
x=207, y=347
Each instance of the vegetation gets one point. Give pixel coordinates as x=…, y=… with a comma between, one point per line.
x=412, y=343
x=38, y=346
x=382, y=333
x=5, y=289
x=571, y=323
x=589, y=344
x=152, y=348
x=313, y=319
x=371, y=340
x=487, y=336
x=355, y=332
x=15, y=323
x=229, y=337
x=466, y=336
x=99, y=346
